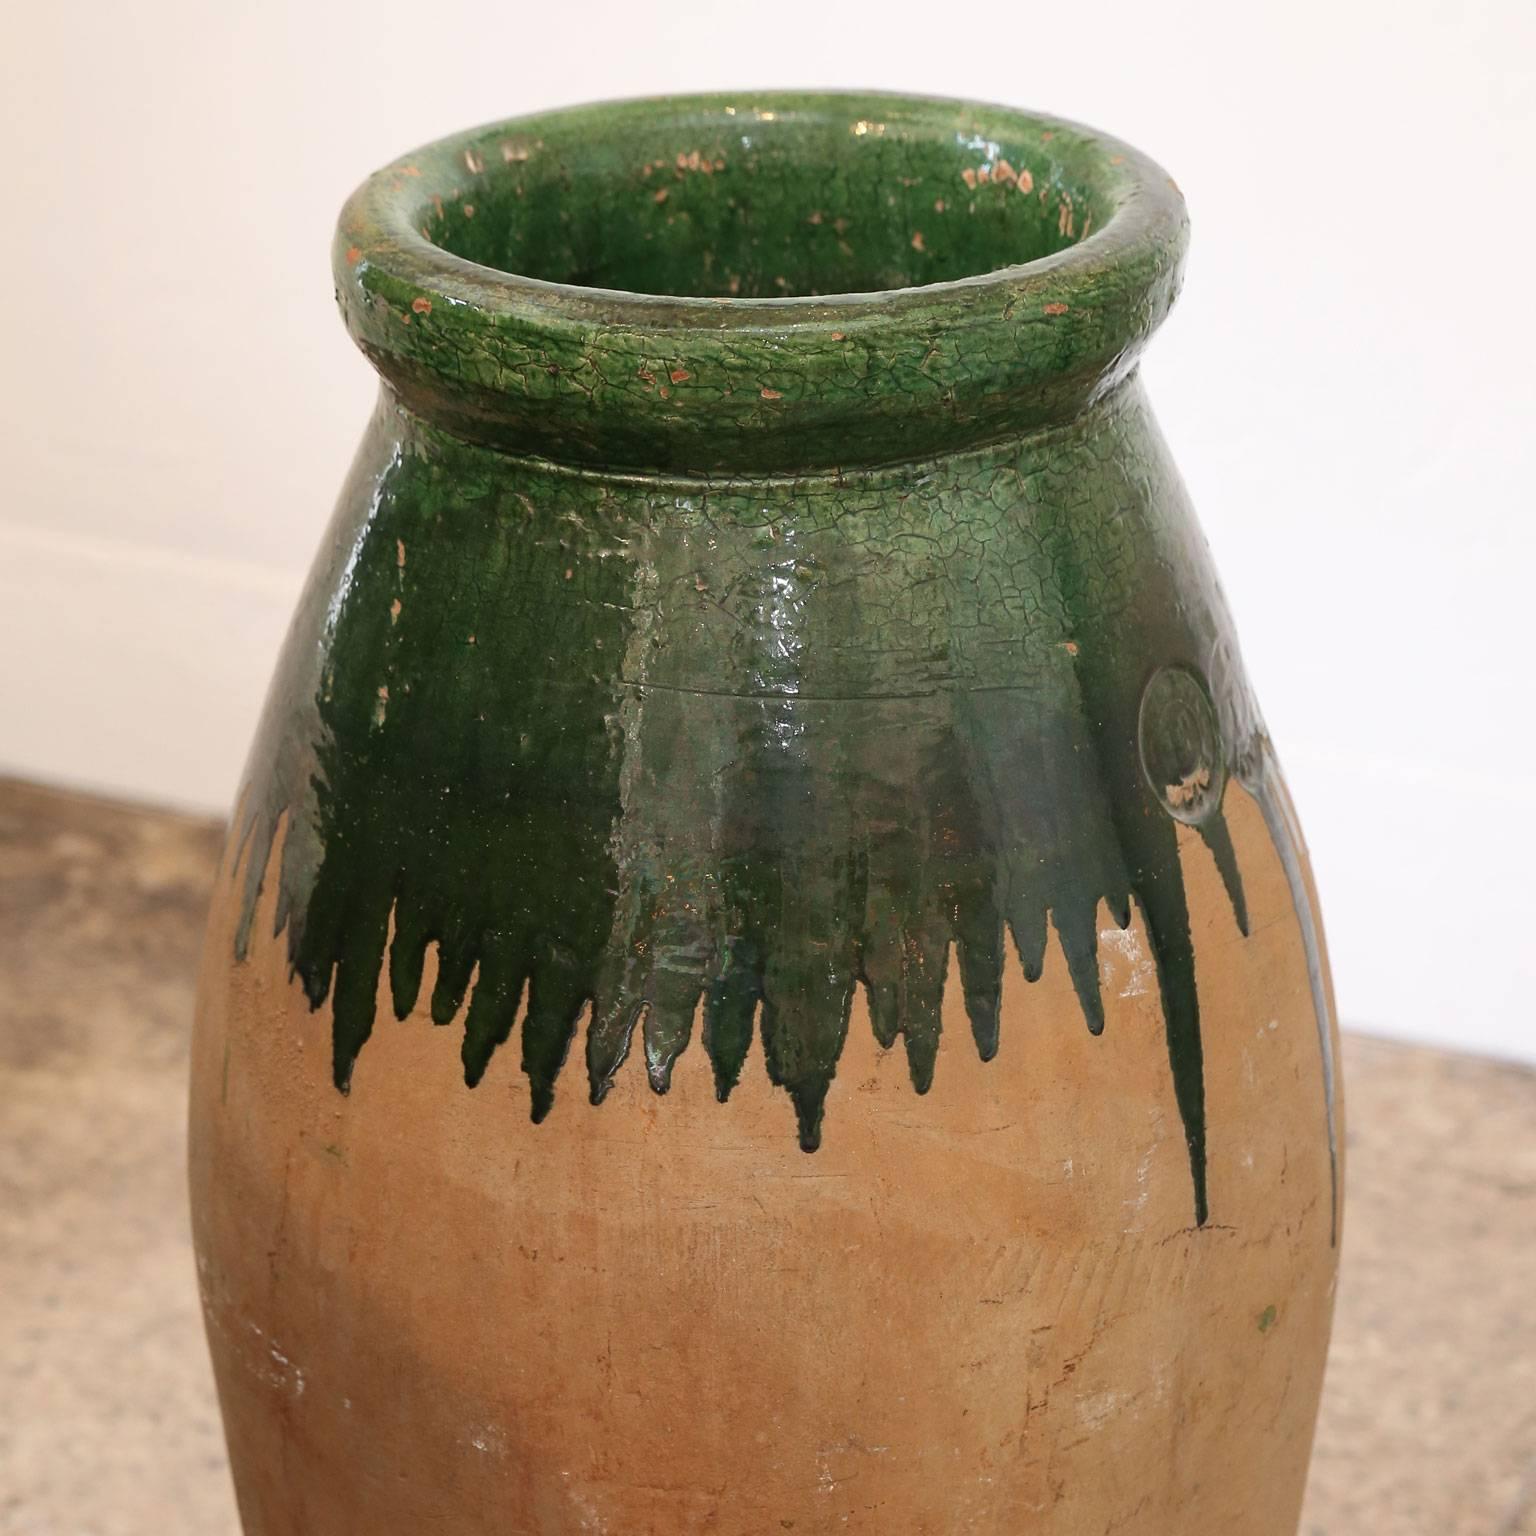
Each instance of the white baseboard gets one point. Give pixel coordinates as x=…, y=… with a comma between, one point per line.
x=135, y=672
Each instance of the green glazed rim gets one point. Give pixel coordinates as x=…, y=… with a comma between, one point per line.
x=751, y=383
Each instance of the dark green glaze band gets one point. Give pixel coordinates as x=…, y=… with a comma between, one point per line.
x=922, y=652
x=675, y=259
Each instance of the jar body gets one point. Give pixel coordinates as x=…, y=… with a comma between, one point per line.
x=741, y=1006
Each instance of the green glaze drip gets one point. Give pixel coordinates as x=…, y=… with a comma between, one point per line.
x=524, y=757
x=696, y=662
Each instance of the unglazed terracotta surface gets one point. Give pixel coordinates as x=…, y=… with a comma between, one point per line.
x=704, y=691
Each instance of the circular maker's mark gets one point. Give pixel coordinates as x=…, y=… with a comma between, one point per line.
x=1181, y=752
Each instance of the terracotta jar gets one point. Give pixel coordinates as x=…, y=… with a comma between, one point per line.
x=765, y=979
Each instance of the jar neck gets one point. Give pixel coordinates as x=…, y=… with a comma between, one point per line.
x=1054, y=253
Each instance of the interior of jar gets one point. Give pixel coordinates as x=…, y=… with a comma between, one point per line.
x=751, y=204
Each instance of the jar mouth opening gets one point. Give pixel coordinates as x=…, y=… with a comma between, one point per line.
x=752, y=202
x=771, y=239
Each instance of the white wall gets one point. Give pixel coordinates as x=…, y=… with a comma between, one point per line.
x=1347, y=384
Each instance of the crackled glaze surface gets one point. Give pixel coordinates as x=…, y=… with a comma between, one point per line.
x=805, y=675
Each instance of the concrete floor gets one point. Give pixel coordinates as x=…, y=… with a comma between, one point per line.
x=108, y=1425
